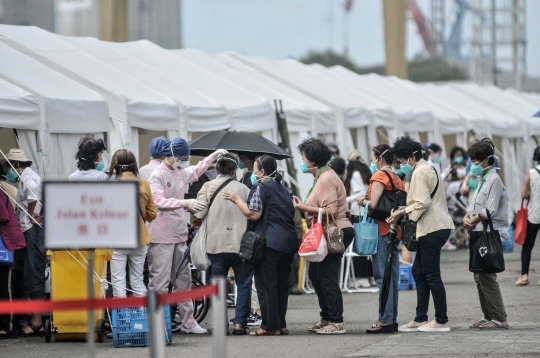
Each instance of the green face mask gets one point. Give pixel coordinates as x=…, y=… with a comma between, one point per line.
x=473, y=183
x=11, y=176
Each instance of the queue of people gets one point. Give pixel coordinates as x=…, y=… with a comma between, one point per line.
x=259, y=202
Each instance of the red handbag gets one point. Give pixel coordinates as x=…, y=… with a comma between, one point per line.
x=521, y=224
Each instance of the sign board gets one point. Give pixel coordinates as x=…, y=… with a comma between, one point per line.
x=86, y=215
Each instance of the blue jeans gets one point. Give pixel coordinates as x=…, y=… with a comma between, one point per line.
x=243, y=276
x=427, y=275
x=379, y=264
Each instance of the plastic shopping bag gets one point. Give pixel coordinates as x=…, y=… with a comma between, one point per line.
x=366, y=235
x=199, y=257
x=6, y=256
x=521, y=224
x=314, y=247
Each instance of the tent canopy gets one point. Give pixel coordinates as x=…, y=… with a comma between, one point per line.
x=18, y=109
x=248, y=112
x=67, y=106
x=195, y=108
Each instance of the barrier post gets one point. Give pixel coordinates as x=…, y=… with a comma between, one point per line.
x=156, y=326
x=90, y=331
x=219, y=319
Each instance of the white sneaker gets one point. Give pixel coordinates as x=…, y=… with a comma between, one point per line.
x=433, y=326
x=449, y=247
x=194, y=330
x=412, y=326
x=362, y=282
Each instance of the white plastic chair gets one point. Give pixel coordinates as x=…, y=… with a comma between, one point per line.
x=347, y=274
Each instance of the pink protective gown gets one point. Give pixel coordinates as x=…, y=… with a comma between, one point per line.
x=169, y=233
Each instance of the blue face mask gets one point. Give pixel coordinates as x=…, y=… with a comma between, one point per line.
x=100, y=165
x=11, y=176
x=473, y=183
x=373, y=168
x=254, y=180
x=437, y=159
x=458, y=160
x=398, y=172
x=477, y=170
x=241, y=165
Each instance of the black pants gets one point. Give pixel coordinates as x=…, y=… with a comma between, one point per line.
x=272, y=283
x=532, y=230
x=6, y=294
x=293, y=277
x=324, y=276
x=427, y=274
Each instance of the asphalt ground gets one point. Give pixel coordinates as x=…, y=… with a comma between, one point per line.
x=522, y=306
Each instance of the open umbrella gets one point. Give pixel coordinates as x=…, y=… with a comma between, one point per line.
x=237, y=142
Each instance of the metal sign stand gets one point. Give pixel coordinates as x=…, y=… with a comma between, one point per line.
x=90, y=332
x=156, y=324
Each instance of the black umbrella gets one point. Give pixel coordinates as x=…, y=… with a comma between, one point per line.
x=387, y=279
x=237, y=142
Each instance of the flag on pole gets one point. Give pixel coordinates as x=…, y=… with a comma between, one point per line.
x=537, y=114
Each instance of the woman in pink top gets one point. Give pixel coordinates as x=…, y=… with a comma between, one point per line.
x=169, y=230
x=328, y=191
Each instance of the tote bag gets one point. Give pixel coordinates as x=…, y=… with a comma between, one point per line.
x=485, y=249
x=521, y=224
x=314, y=247
x=366, y=235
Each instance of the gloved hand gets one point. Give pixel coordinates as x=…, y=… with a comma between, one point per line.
x=193, y=205
x=217, y=153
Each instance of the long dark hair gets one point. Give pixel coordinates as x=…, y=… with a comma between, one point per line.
x=356, y=166
x=88, y=152
x=269, y=165
x=123, y=161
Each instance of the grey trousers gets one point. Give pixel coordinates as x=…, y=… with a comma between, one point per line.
x=490, y=296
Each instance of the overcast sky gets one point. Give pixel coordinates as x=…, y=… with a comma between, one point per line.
x=285, y=28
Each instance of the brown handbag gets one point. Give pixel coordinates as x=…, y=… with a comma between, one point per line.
x=334, y=235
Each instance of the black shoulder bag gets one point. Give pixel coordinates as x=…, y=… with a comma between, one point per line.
x=485, y=249
x=408, y=227
x=383, y=209
x=252, y=245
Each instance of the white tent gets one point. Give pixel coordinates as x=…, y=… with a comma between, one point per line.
x=131, y=105
x=533, y=98
x=197, y=111
x=19, y=109
x=67, y=111
x=302, y=112
x=352, y=109
x=248, y=112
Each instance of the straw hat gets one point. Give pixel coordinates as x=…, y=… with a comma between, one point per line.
x=17, y=155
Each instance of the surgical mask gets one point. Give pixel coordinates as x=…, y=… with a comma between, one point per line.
x=373, y=168
x=398, y=172
x=461, y=171
x=304, y=168
x=241, y=165
x=458, y=160
x=437, y=159
x=11, y=176
x=331, y=159
x=100, y=165
x=477, y=169
x=254, y=180
x=406, y=168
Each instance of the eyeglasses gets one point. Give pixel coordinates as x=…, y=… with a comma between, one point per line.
x=184, y=159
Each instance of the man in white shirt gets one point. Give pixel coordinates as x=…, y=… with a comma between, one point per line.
x=156, y=157
x=29, y=199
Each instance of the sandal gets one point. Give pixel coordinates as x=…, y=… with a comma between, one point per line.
x=284, y=332
x=322, y=323
x=496, y=325
x=333, y=328
x=263, y=332
x=35, y=331
x=377, y=329
x=240, y=332
x=522, y=282
x=478, y=324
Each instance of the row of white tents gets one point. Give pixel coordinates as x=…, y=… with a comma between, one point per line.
x=55, y=89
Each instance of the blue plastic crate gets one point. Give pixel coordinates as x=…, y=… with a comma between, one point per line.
x=130, y=326
x=508, y=246
x=406, y=280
